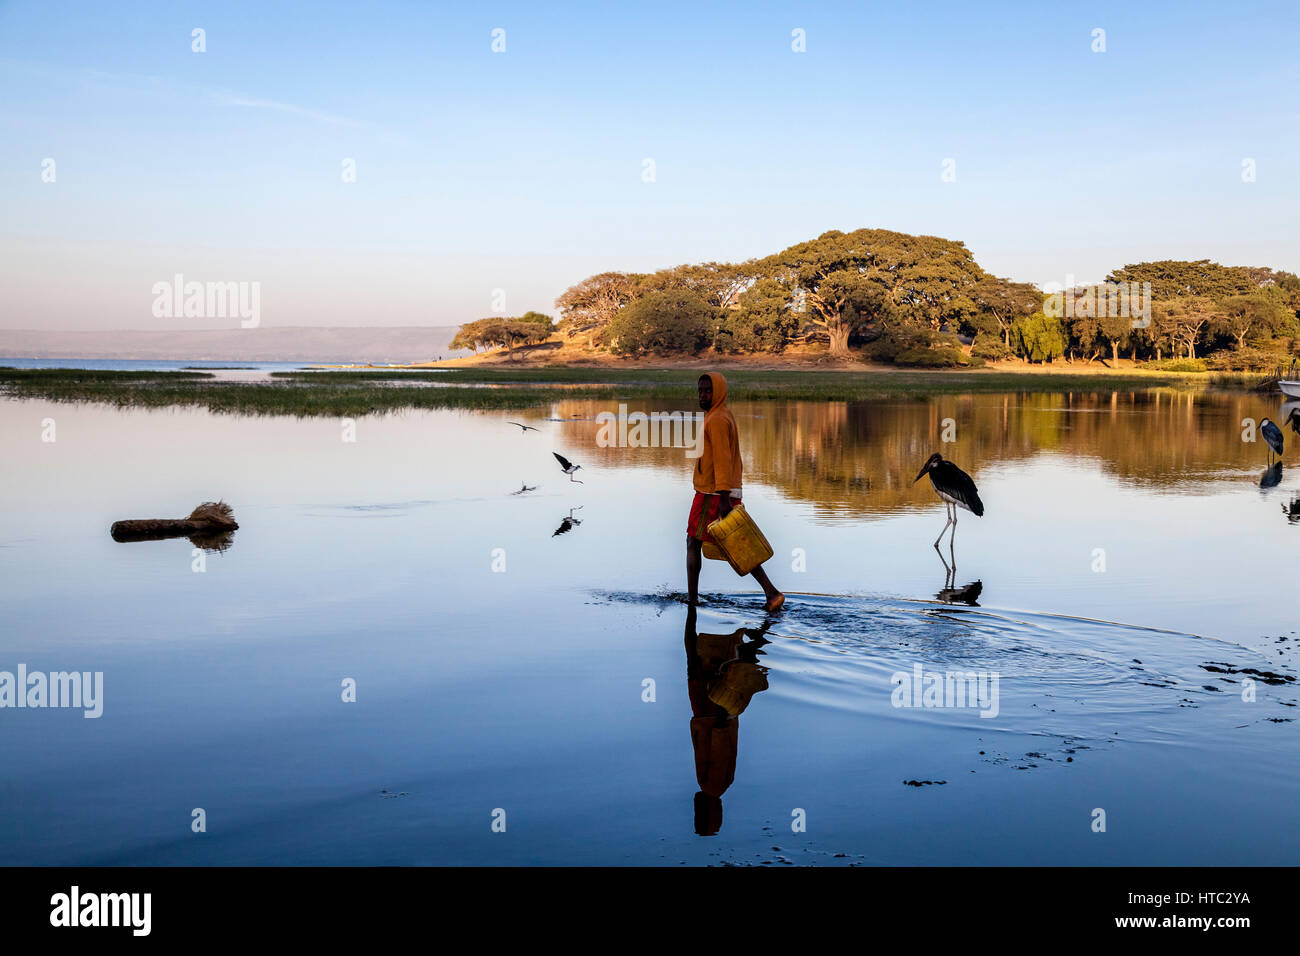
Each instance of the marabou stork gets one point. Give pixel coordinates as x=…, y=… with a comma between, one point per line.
x=955, y=487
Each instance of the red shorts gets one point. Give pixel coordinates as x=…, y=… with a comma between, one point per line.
x=704, y=511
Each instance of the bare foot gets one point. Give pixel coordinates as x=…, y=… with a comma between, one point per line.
x=775, y=603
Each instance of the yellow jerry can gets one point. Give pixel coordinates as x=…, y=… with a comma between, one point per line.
x=739, y=541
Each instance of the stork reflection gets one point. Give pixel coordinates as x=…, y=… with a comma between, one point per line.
x=722, y=676
x=950, y=593
x=966, y=594
x=1292, y=510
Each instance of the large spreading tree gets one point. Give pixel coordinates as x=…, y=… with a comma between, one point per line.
x=855, y=280
x=590, y=305
x=999, y=303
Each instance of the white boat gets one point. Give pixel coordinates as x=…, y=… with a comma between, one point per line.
x=1289, y=387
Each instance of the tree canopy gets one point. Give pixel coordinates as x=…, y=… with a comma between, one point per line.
x=910, y=299
x=530, y=328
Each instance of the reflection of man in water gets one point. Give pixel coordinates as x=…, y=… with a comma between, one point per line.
x=722, y=674
x=717, y=482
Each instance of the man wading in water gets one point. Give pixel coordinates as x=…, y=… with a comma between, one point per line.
x=717, y=485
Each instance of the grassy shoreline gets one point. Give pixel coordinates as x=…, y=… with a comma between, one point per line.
x=353, y=393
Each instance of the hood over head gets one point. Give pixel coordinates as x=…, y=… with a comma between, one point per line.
x=719, y=388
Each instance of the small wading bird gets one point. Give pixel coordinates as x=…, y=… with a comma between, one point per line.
x=955, y=487
x=568, y=467
x=1272, y=434
x=526, y=428
x=524, y=488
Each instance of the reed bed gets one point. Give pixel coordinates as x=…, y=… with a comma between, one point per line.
x=345, y=393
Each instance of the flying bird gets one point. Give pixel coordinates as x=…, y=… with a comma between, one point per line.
x=567, y=466
x=524, y=488
x=1272, y=434
x=568, y=523
x=955, y=487
x=526, y=428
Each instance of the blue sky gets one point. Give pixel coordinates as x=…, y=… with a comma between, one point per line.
x=522, y=170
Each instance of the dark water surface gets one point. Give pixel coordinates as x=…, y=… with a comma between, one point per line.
x=1132, y=575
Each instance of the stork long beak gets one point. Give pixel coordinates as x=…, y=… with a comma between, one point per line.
x=921, y=474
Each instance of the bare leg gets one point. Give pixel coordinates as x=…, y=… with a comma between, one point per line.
x=774, y=597
x=948, y=512
x=693, y=562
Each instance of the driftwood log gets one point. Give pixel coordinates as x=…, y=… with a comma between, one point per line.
x=212, y=519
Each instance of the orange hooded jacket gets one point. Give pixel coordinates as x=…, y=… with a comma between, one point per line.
x=718, y=468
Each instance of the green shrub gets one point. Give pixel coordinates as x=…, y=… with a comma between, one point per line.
x=1177, y=365
x=675, y=320
x=762, y=323
x=992, y=349
x=1040, y=337
x=920, y=348
x=936, y=357
x=1243, y=360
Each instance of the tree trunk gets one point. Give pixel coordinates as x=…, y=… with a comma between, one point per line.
x=1114, y=351
x=839, y=339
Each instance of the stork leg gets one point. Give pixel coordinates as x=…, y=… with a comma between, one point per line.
x=948, y=512
x=947, y=571
x=952, y=541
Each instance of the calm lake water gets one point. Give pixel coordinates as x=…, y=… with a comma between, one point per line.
x=149, y=365
x=1132, y=574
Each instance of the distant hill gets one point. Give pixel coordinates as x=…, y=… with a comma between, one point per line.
x=265, y=344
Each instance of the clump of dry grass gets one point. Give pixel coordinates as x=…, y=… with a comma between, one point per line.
x=216, y=513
